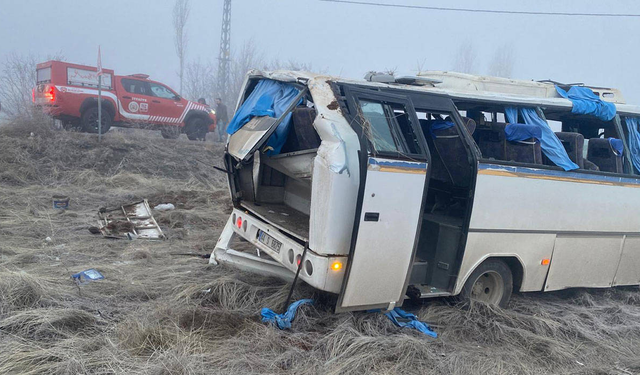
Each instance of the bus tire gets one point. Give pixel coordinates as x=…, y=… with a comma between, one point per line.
x=196, y=129
x=89, y=120
x=491, y=282
x=170, y=132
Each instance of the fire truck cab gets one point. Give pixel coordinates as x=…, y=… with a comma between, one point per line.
x=69, y=92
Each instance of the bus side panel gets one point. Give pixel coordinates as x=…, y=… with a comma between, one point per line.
x=534, y=200
x=629, y=269
x=528, y=248
x=522, y=200
x=584, y=261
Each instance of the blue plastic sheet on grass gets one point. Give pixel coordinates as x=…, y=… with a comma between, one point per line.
x=521, y=132
x=403, y=319
x=268, y=98
x=87, y=276
x=283, y=321
x=586, y=102
x=549, y=142
x=616, y=145
x=634, y=140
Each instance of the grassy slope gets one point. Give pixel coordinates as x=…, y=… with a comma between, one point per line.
x=158, y=313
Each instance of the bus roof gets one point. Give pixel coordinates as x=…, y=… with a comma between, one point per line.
x=468, y=87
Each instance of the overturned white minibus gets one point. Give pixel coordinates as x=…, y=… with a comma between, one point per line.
x=443, y=184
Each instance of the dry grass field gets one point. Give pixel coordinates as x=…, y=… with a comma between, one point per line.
x=157, y=312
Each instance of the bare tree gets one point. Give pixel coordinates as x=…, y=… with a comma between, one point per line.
x=291, y=64
x=248, y=57
x=180, y=17
x=200, y=81
x=17, y=80
x=465, y=58
x=502, y=63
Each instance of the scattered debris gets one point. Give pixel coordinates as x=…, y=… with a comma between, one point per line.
x=87, y=276
x=60, y=202
x=48, y=239
x=283, y=321
x=165, y=207
x=403, y=319
x=131, y=221
x=94, y=230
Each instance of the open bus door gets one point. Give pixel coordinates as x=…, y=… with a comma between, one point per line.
x=394, y=162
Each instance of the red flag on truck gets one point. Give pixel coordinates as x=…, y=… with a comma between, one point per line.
x=99, y=62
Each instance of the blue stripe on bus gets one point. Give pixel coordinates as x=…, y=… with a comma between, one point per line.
x=554, y=174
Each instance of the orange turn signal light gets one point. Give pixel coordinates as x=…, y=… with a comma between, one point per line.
x=336, y=266
x=545, y=262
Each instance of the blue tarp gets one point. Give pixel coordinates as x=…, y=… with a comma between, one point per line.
x=521, y=132
x=439, y=125
x=585, y=102
x=403, y=319
x=268, y=98
x=551, y=145
x=634, y=140
x=616, y=145
x=283, y=321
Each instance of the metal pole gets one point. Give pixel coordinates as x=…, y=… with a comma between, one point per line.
x=99, y=108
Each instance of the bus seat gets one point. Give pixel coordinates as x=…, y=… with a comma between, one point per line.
x=573, y=143
x=604, y=156
x=491, y=143
x=470, y=124
x=450, y=147
x=438, y=169
x=588, y=165
x=302, y=135
x=523, y=151
x=527, y=151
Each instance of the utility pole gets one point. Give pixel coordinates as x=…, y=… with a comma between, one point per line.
x=225, y=51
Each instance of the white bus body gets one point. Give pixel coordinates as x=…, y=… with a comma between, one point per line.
x=386, y=216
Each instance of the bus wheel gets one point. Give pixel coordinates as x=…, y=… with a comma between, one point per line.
x=89, y=121
x=170, y=132
x=491, y=283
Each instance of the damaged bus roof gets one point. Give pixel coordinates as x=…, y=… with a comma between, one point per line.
x=468, y=87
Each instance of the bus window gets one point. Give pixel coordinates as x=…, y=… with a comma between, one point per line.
x=379, y=130
x=389, y=128
x=591, y=143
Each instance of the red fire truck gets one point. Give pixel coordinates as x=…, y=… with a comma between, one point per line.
x=69, y=92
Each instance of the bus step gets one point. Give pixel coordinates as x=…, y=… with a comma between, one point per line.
x=427, y=291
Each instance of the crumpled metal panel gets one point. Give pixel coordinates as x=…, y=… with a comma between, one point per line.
x=131, y=221
x=243, y=142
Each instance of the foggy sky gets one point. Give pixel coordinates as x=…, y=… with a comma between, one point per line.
x=137, y=36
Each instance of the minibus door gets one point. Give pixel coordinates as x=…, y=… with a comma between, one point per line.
x=393, y=179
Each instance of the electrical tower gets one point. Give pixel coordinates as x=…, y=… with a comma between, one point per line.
x=225, y=51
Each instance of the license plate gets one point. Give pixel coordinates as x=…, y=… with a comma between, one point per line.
x=266, y=239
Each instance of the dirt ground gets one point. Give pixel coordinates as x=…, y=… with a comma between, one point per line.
x=158, y=312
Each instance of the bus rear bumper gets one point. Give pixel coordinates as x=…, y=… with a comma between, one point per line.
x=321, y=272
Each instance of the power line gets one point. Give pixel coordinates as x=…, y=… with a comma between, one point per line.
x=471, y=10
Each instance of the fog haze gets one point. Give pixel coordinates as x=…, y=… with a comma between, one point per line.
x=339, y=39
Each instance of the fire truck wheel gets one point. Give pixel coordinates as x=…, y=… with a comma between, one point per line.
x=170, y=132
x=196, y=129
x=89, y=122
